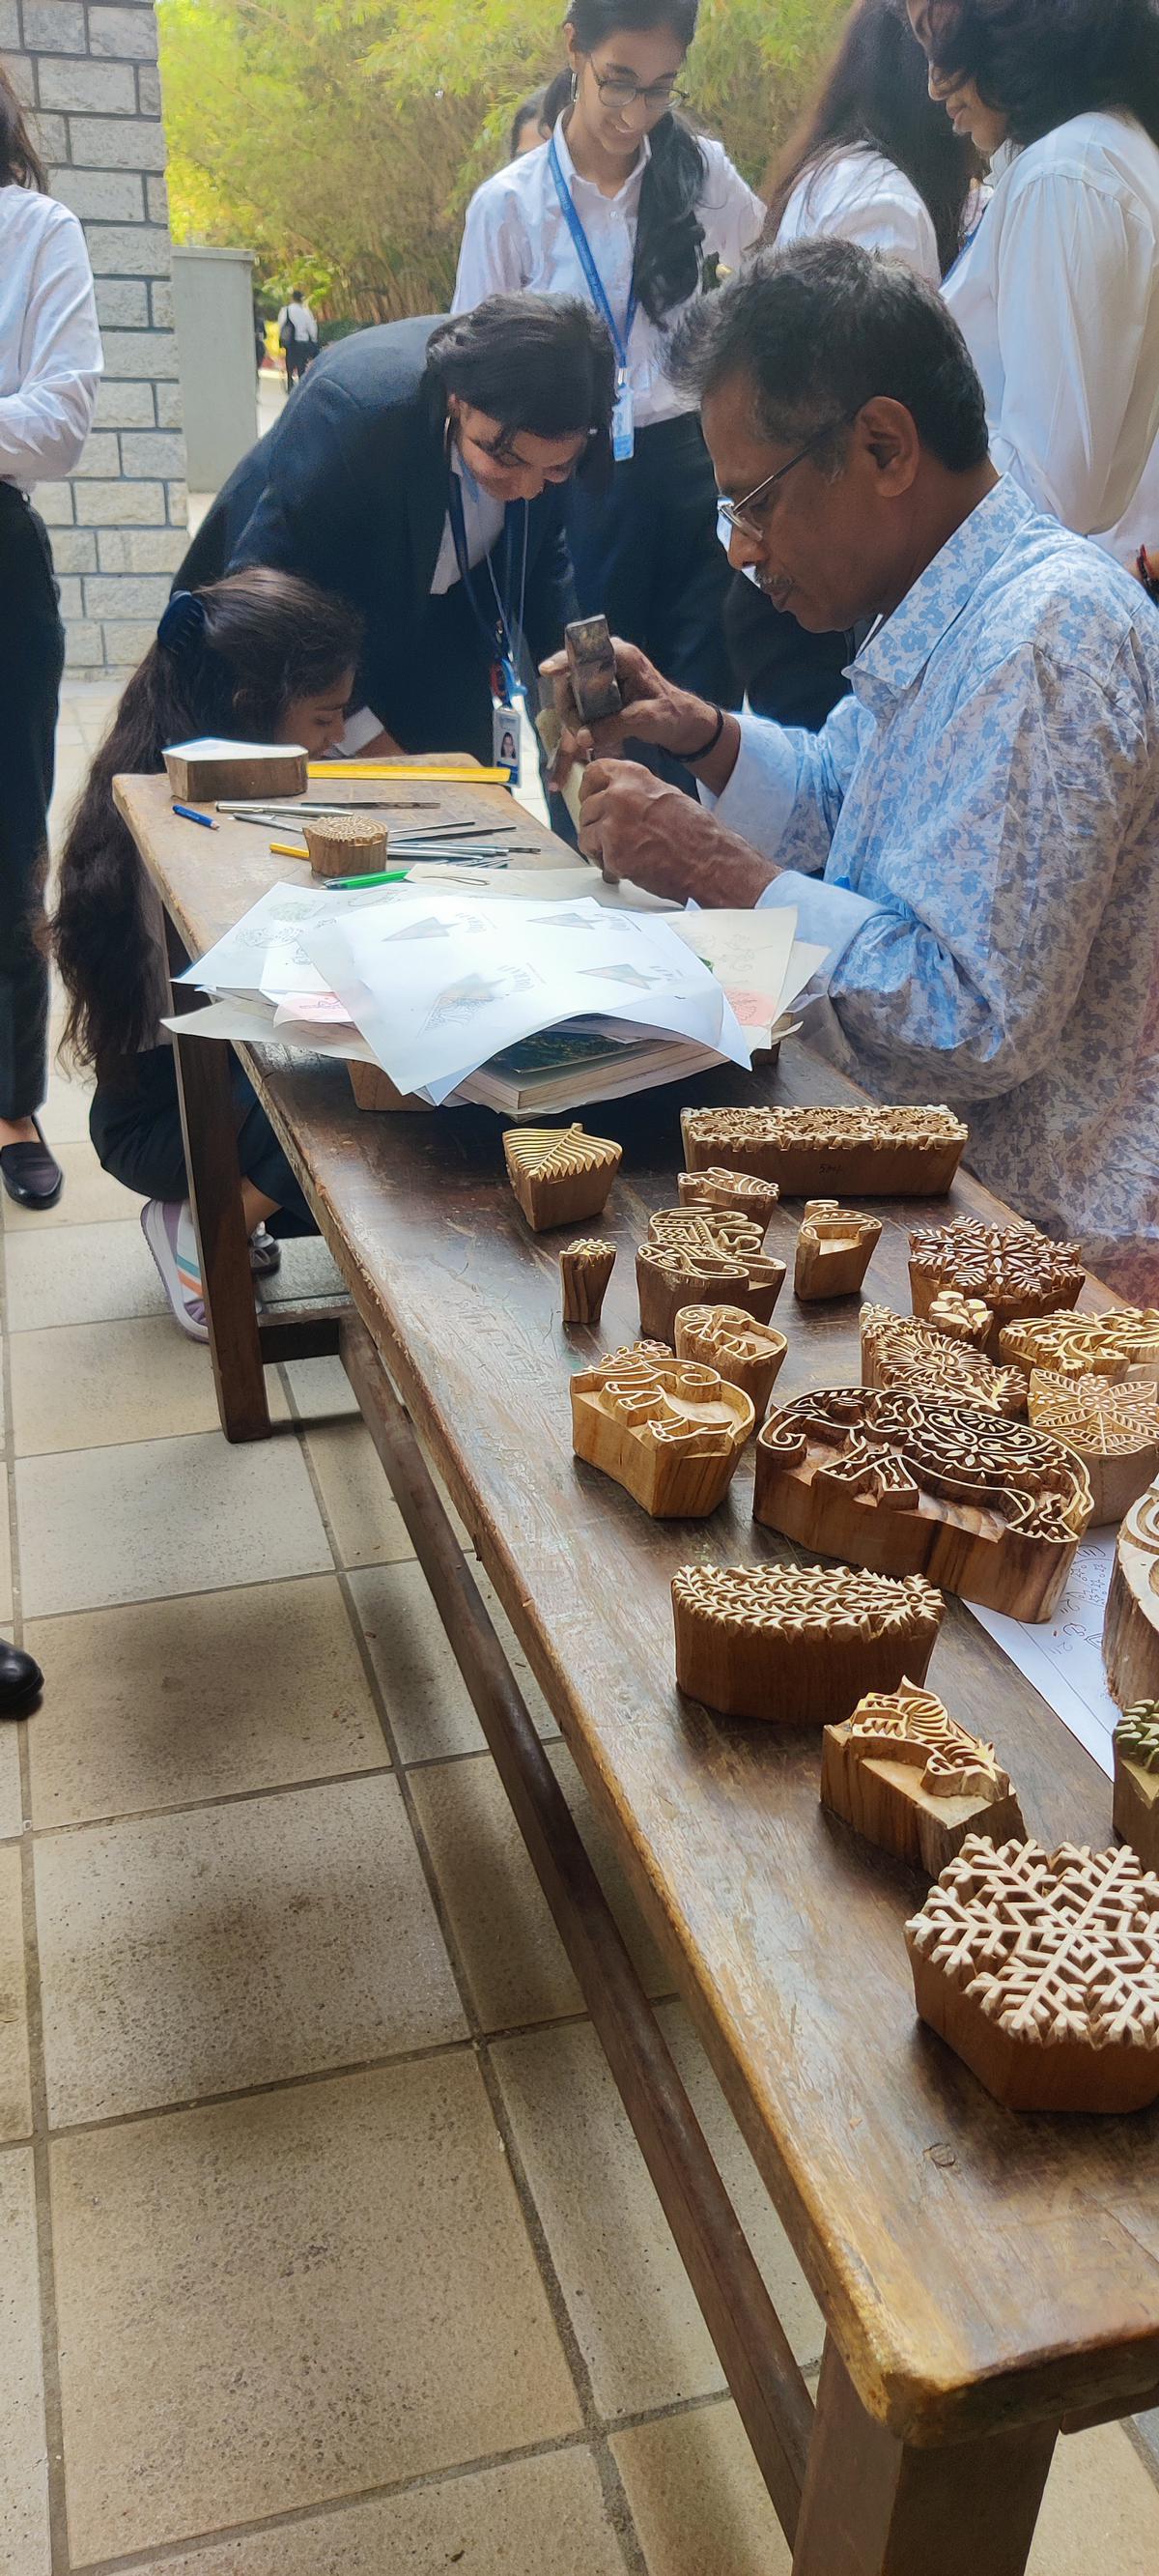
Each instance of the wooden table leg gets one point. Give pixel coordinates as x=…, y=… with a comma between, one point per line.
x=207, y=1124
x=873, y=2506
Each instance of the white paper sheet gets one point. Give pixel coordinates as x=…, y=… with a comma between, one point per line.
x=263, y=952
x=1063, y=1657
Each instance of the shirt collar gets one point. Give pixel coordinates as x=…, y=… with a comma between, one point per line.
x=632, y=183
x=897, y=651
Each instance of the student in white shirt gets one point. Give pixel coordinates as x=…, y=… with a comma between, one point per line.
x=1057, y=296
x=50, y=362
x=298, y=333
x=873, y=161
x=651, y=203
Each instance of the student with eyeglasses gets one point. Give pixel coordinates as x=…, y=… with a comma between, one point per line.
x=625, y=205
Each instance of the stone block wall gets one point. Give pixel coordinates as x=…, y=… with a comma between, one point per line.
x=89, y=75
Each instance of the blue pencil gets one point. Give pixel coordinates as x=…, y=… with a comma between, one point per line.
x=191, y=815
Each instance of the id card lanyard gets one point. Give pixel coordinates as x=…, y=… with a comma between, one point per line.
x=500, y=636
x=623, y=425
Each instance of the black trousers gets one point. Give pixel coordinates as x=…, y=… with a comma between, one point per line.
x=784, y=671
x=31, y=662
x=135, y=1126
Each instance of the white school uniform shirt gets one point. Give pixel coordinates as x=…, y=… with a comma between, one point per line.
x=516, y=236
x=300, y=319
x=859, y=196
x=50, y=347
x=1057, y=298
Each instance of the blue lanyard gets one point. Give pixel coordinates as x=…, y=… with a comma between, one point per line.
x=496, y=631
x=595, y=283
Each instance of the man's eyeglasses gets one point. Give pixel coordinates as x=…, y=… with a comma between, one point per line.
x=615, y=92
x=742, y=515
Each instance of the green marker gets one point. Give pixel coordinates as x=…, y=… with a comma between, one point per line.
x=389, y=876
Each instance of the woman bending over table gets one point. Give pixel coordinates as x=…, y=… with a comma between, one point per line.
x=259, y=656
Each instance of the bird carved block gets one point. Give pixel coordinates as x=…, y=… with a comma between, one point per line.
x=834, y=1250
x=559, y=1175
x=748, y=1354
x=1013, y=1269
x=798, y=1644
x=898, y=1350
x=740, y=1191
x=585, y=1269
x=1136, y=1808
x=902, y=1772
x=854, y=1153
x=669, y=1432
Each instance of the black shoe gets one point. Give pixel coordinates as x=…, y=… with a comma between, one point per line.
x=20, y=1678
x=30, y=1173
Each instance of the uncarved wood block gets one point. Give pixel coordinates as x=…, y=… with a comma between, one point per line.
x=834, y=1250
x=902, y=1772
x=740, y=1191
x=888, y=1478
x=703, y=1257
x=900, y=1350
x=373, y=1089
x=585, y=1269
x=1131, y=1625
x=854, y=1153
x=1121, y=1344
x=1041, y=1970
x=725, y=1338
x=798, y=1643
x=670, y=1433
x=1013, y=1269
x=196, y=773
x=1113, y=1429
x=342, y=845
x=559, y=1175
x=1136, y=1808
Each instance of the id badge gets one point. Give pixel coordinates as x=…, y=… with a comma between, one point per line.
x=505, y=738
x=623, y=423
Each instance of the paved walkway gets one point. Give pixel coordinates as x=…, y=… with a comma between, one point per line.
x=325, y=2248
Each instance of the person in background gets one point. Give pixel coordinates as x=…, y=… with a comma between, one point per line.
x=527, y=125
x=298, y=333
x=624, y=205
x=417, y=472
x=260, y=657
x=874, y=162
x=1057, y=296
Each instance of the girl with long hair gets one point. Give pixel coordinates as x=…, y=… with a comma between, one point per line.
x=259, y=656
x=625, y=206
x=1057, y=296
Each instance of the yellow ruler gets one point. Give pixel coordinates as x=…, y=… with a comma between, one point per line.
x=462, y=777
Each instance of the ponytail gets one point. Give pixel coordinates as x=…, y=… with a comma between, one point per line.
x=669, y=233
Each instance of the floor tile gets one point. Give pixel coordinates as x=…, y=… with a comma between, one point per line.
x=1100, y=2511
x=164, y=1702
x=24, y=2542
x=15, y=2095
x=536, y=2517
x=92, y=1274
x=308, y=1269
x=321, y=1388
x=101, y=1526
x=89, y=1197
x=10, y=1805
x=198, y=1953
x=93, y=1386
x=424, y=1691
x=5, y=1556
x=699, y=2502
x=366, y=1521
x=630, y=2300
x=512, y=1954
x=314, y=2291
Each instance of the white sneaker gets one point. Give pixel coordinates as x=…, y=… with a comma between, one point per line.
x=167, y=1225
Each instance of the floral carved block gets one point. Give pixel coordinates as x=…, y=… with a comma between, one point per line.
x=1113, y=1429
x=899, y=1350
x=810, y=1153
x=1121, y=1344
x=798, y=1644
x=1013, y=1269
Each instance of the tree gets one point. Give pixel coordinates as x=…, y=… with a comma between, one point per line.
x=340, y=139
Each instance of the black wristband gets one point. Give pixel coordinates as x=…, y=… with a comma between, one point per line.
x=703, y=748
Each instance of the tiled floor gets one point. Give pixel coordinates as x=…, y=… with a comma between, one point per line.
x=324, y=2246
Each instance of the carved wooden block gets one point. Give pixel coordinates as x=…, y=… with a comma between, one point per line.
x=740, y=1191
x=1121, y=1344
x=585, y=1269
x=200, y=771
x=1113, y=1429
x=899, y=1350
x=346, y=845
x=962, y=1319
x=592, y=669
x=902, y=1772
x=885, y=1477
x=703, y=1257
x=670, y=1433
x=559, y=1175
x=1136, y=1808
x=854, y=1153
x=1041, y=1970
x=798, y=1643
x=1013, y=1269
x=834, y=1250
x=748, y=1354
x=1131, y=1624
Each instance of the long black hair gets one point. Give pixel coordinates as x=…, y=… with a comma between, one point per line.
x=1040, y=62
x=876, y=92
x=233, y=665
x=669, y=232
x=20, y=162
x=539, y=363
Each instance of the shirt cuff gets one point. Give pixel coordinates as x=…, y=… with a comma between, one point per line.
x=828, y=916
x=762, y=790
x=357, y=731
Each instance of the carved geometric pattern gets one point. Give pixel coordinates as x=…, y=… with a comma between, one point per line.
x=900, y=1350
x=1122, y=1342
x=1137, y=1735
x=1095, y=1416
x=1013, y=1269
x=795, y=1146
x=913, y=1726
x=558, y=1153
